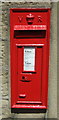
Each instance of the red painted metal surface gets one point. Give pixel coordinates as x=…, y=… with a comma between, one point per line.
x=29, y=28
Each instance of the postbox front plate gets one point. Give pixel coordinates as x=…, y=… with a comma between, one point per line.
x=29, y=56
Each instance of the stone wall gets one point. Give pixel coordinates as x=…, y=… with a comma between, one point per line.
x=5, y=57
x=0, y=61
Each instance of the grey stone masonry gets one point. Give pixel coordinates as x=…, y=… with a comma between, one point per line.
x=5, y=57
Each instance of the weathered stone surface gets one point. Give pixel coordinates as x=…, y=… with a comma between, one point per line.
x=52, y=113
x=6, y=111
x=41, y=115
x=5, y=56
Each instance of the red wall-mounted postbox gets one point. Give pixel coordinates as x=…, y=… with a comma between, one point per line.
x=29, y=56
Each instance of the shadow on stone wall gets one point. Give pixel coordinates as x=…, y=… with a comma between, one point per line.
x=15, y=110
x=29, y=119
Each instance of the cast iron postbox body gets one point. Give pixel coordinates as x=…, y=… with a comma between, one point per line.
x=29, y=51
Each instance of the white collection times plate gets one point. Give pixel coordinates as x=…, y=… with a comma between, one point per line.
x=29, y=58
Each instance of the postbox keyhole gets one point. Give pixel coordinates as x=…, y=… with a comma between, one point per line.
x=23, y=77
